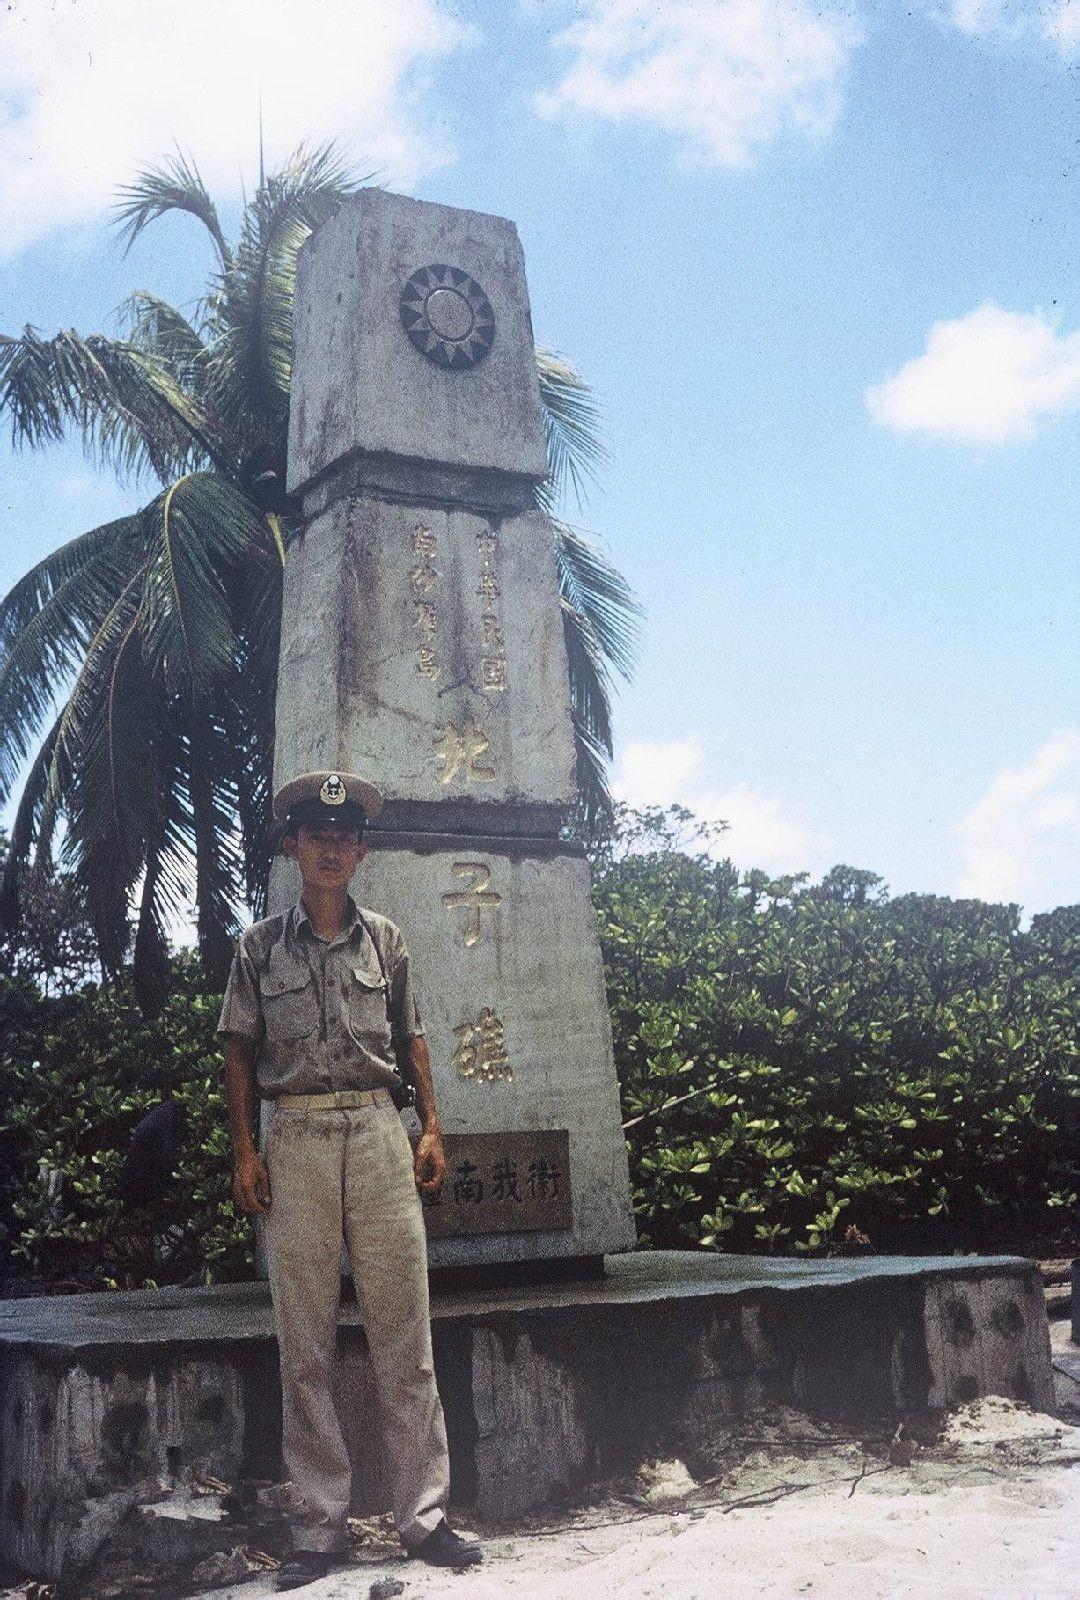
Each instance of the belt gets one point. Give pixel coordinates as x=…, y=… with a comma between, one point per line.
x=333, y=1099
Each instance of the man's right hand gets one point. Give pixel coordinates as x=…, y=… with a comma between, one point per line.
x=251, y=1185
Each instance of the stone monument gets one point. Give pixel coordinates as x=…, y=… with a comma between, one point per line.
x=422, y=646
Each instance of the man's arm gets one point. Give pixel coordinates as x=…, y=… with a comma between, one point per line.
x=429, y=1164
x=251, y=1183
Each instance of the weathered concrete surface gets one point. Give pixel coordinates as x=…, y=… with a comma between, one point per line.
x=422, y=645
x=544, y=1386
x=84, y=1441
x=358, y=382
x=439, y=672
x=512, y=936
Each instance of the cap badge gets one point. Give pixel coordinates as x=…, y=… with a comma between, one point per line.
x=332, y=792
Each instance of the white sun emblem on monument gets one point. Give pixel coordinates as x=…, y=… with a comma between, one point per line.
x=447, y=316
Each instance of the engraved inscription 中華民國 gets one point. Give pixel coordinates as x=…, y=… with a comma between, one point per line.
x=493, y=648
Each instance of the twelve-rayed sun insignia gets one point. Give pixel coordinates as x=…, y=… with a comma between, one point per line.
x=448, y=317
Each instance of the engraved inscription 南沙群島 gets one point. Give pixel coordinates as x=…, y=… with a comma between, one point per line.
x=423, y=581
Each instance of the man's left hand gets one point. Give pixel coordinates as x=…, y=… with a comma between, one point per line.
x=429, y=1162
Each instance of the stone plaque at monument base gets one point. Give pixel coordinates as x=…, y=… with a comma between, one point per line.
x=422, y=646
x=502, y=1183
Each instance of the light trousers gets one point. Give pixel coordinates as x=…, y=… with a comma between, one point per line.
x=349, y=1172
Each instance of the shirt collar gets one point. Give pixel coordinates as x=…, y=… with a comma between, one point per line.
x=301, y=920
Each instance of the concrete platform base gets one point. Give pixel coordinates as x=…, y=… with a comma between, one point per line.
x=544, y=1386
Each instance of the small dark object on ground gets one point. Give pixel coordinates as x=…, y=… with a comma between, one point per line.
x=385, y=1588
x=444, y=1548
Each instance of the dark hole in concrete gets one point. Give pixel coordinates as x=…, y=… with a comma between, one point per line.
x=123, y=1425
x=967, y=1387
x=172, y=1459
x=1009, y=1319
x=212, y=1410
x=961, y=1322
x=1021, y=1384
x=16, y=1503
x=45, y=1417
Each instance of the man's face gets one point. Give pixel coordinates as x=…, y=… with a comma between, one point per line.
x=326, y=855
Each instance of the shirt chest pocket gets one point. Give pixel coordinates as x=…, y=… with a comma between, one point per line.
x=289, y=1005
x=365, y=1006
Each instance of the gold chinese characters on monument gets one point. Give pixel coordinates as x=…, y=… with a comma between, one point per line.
x=459, y=751
x=492, y=645
x=474, y=899
x=425, y=618
x=424, y=580
x=481, y=1049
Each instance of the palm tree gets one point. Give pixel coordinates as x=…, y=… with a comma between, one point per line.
x=161, y=627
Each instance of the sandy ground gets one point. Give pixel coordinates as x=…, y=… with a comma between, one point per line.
x=982, y=1505
x=989, y=1510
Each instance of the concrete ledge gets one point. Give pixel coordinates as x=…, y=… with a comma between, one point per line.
x=544, y=1386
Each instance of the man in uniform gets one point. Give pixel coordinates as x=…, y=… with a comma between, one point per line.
x=318, y=1013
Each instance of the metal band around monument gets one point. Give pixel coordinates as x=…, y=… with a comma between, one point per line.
x=447, y=316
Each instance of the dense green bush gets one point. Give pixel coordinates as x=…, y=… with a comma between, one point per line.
x=799, y=1060
x=796, y=1061
x=77, y=1074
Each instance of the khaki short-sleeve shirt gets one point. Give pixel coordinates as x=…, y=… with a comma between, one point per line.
x=324, y=1014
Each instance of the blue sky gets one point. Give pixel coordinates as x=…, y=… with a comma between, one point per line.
x=819, y=261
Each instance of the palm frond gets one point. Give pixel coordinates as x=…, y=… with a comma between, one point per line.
x=601, y=625
x=590, y=583
x=202, y=526
x=590, y=683
x=249, y=709
x=115, y=790
x=575, y=451
x=45, y=652
x=37, y=587
x=595, y=806
x=83, y=704
x=160, y=329
x=175, y=185
x=128, y=407
x=23, y=829
x=252, y=354
x=217, y=849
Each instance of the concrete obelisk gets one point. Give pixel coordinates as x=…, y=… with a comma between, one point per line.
x=422, y=646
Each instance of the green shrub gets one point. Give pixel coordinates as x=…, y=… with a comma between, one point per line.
x=797, y=1060
x=78, y=1073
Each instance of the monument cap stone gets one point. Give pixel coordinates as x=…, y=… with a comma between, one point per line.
x=413, y=339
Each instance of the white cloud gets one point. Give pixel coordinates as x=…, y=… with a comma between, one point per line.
x=722, y=77
x=987, y=377
x=761, y=833
x=1054, y=21
x=92, y=89
x=1021, y=840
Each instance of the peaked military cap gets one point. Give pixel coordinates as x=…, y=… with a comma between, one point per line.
x=321, y=797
